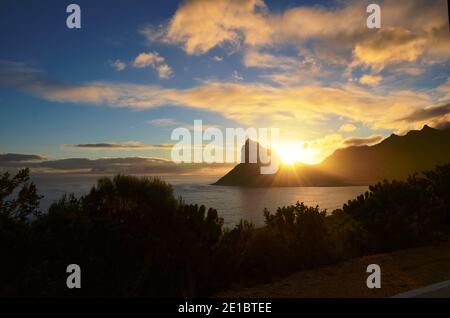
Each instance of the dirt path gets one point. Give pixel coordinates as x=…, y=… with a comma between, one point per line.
x=401, y=271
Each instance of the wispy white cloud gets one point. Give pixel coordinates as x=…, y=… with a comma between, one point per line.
x=217, y=58
x=118, y=65
x=164, y=122
x=236, y=76
x=172, y=123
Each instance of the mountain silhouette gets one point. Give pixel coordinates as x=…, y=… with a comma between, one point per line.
x=248, y=174
x=395, y=157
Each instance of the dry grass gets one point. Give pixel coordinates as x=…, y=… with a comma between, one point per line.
x=401, y=271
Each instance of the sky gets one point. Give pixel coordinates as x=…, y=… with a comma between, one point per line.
x=117, y=87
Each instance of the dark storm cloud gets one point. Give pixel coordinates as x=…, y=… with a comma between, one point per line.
x=16, y=157
x=120, y=146
x=130, y=165
x=428, y=113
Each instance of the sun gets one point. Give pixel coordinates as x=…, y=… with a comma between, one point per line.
x=293, y=153
x=288, y=154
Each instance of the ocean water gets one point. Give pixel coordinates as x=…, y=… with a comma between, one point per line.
x=232, y=203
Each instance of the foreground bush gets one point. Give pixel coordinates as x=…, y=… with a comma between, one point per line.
x=402, y=214
x=132, y=237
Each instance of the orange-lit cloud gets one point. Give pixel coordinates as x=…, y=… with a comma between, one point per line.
x=371, y=80
x=410, y=31
x=362, y=141
x=390, y=46
x=347, y=128
x=147, y=59
x=200, y=25
x=242, y=102
x=155, y=61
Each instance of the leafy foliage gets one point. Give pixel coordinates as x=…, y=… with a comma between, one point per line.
x=27, y=201
x=132, y=237
x=401, y=214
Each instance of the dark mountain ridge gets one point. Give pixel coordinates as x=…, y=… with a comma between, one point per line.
x=395, y=157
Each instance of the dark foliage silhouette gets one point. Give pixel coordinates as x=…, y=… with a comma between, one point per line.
x=401, y=214
x=133, y=237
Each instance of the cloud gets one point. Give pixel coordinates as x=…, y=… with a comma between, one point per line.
x=155, y=61
x=321, y=148
x=15, y=157
x=259, y=59
x=164, y=122
x=18, y=74
x=408, y=69
x=303, y=23
x=246, y=103
x=154, y=33
x=390, y=46
x=370, y=80
x=164, y=71
x=128, y=165
x=305, y=80
x=444, y=91
x=403, y=39
x=172, y=123
x=201, y=25
x=428, y=113
x=347, y=128
x=285, y=70
x=443, y=125
x=236, y=76
x=362, y=141
x=434, y=116
x=314, y=151
x=130, y=145
x=147, y=59
x=118, y=65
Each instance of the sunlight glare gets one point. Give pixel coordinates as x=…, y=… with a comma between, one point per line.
x=292, y=153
